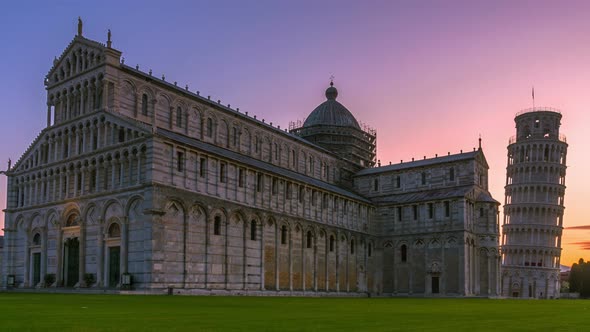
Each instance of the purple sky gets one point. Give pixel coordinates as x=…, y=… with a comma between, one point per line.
x=429, y=76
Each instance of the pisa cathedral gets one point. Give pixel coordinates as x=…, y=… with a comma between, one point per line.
x=137, y=183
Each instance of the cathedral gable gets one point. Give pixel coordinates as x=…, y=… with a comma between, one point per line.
x=81, y=55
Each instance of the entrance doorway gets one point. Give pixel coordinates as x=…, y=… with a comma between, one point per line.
x=435, y=285
x=36, y=268
x=114, y=266
x=72, y=261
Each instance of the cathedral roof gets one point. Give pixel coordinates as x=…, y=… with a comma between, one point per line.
x=331, y=113
x=420, y=163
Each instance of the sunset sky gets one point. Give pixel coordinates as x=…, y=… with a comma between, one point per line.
x=429, y=76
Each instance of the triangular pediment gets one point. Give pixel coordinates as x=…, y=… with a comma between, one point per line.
x=34, y=156
x=80, y=55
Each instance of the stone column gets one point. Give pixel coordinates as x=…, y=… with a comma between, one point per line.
x=105, y=94
x=48, y=114
x=278, y=230
x=262, y=253
x=124, y=243
x=27, y=244
x=100, y=254
x=83, y=171
x=97, y=178
x=60, y=253
x=43, y=254
x=290, y=261
x=82, y=255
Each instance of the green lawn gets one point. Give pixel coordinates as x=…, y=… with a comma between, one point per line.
x=76, y=312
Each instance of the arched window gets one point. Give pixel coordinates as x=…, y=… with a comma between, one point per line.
x=217, y=225
x=144, y=104
x=284, y=234
x=72, y=220
x=114, y=230
x=331, y=243
x=37, y=239
x=179, y=117
x=309, y=239
x=253, y=230
x=404, y=253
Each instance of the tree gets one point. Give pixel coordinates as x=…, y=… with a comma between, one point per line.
x=579, y=279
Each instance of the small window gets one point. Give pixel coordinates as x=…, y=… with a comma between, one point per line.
x=301, y=194
x=241, y=178
x=92, y=180
x=398, y=181
x=370, y=250
x=114, y=230
x=415, y=211
x=235, y=136
x=203, y=167
x=537, y=123
x=376, y=185
x=481, y=212
x=179, y=117
x=447, y=209
x=180, y=161
x=430, y=210
x=256, y=144
x=209, y=127
x=423, y=178
x=259, y=182
x=37, y=239
x=309, y=239
x=121, y=135
x=217, y=225
x=352, y=247
x=313, y=197
x=253, y=230
x=222, y=173
x=451, y=174
x=289, y=190
x=79, y=181
x=144, y=104
x=399, y=213
x=274, y=186
x=404, y=253
x=331, y=243
x=284, y=234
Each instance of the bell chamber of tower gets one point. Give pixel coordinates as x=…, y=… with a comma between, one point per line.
x=534, y=205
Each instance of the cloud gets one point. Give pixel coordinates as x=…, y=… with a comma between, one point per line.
x=583, y=227
x=585, y=245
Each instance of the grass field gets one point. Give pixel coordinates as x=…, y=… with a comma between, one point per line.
x=76, y=312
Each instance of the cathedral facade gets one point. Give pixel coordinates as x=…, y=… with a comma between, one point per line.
x=137, y=183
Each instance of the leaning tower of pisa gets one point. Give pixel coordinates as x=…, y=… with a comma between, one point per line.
x=533, y=207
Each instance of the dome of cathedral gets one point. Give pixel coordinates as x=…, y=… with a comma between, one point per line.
x=331, y=113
